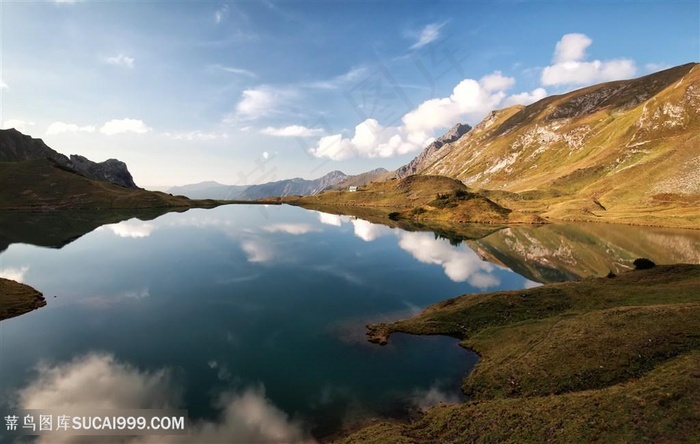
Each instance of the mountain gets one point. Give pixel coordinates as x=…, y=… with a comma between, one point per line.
x=362, y=179
x=625, y=151
x=35, y=177
x=17, y=147
x=209, y=190
x=433, y=151
x=293, y=187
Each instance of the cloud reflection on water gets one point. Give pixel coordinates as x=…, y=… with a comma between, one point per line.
x=100, y=381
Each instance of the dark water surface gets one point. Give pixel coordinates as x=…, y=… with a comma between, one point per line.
x=252, y=318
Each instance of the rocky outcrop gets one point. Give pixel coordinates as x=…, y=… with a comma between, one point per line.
x=111, y=170
x=428, y=155
x=18, y=147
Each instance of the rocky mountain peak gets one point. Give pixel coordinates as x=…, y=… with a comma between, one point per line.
x=428, y=154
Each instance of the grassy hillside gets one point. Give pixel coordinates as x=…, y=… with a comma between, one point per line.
x=625, y=151
x=43, y=185
x=419, y=198
x=17, y=299
x=604, y=359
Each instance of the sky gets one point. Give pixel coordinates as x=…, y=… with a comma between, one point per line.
x=253, y=91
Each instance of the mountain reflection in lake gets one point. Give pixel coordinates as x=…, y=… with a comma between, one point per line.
x=252, y=318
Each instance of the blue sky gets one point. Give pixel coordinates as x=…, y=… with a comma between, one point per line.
x=248, y=92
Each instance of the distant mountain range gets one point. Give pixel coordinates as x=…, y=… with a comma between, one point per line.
x=280, y=188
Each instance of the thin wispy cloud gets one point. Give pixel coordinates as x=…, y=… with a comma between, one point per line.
x=339, y=81
x=120, y=60
x=234, y=70
x=291, y=131
x=221, y=14
x=3, y=85
x=429, y=34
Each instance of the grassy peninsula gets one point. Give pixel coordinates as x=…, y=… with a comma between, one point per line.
x=17, y=299
x=609, y=359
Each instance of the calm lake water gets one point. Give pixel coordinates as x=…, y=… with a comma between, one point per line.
x=251, y=318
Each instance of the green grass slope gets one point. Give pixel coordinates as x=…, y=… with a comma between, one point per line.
x=17, y=299
x=601, y=359
x=41, y=185
x=625, y=151
x=418, y=198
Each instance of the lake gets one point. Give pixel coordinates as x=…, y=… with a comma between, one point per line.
x=252, y=317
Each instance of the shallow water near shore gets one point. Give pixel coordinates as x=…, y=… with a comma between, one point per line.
x=246, y=309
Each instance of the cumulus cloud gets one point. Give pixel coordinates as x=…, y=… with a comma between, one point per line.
x=119, y=126
x=61, y=127
x=23, y=126
x=15, y=274
x=526, y=98
x=257, y=251
x=132, y=228
x=330, y=219
x=428, y=34
x=120, y=60
x=291, y=131
x=259, y=102
x=368, y=231
x=571, y=68
x=470, y=99
x=100, y=381
x=460, y=265
x=293, y=229
x=197, y=135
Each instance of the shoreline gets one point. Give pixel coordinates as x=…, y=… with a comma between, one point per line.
x=564, y=349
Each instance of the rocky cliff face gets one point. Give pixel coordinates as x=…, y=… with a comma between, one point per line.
x=111, y=170
x=17, y=147
x=433, y=151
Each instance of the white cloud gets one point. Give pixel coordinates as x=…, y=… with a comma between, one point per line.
x=197, y=135
x=132, y=228
x=15, y=274
x=470, y=99
x=526, y=98
x=330, y=219
x=121, y=60
x=290, y=228
x=67, y=2
x=291, y=131
x=460, y=265
x=234, y=70
x=61, y=127
x=570, y=67
x=429, y=34
x=101, y=382
x=571, y=48
x=265, y=155
x=338, y=81
x=22, y=126
x=368, y=231
x=221, y=14
x=3, y=85
x=118, y=126
x=257, y=251
x=259, y=102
